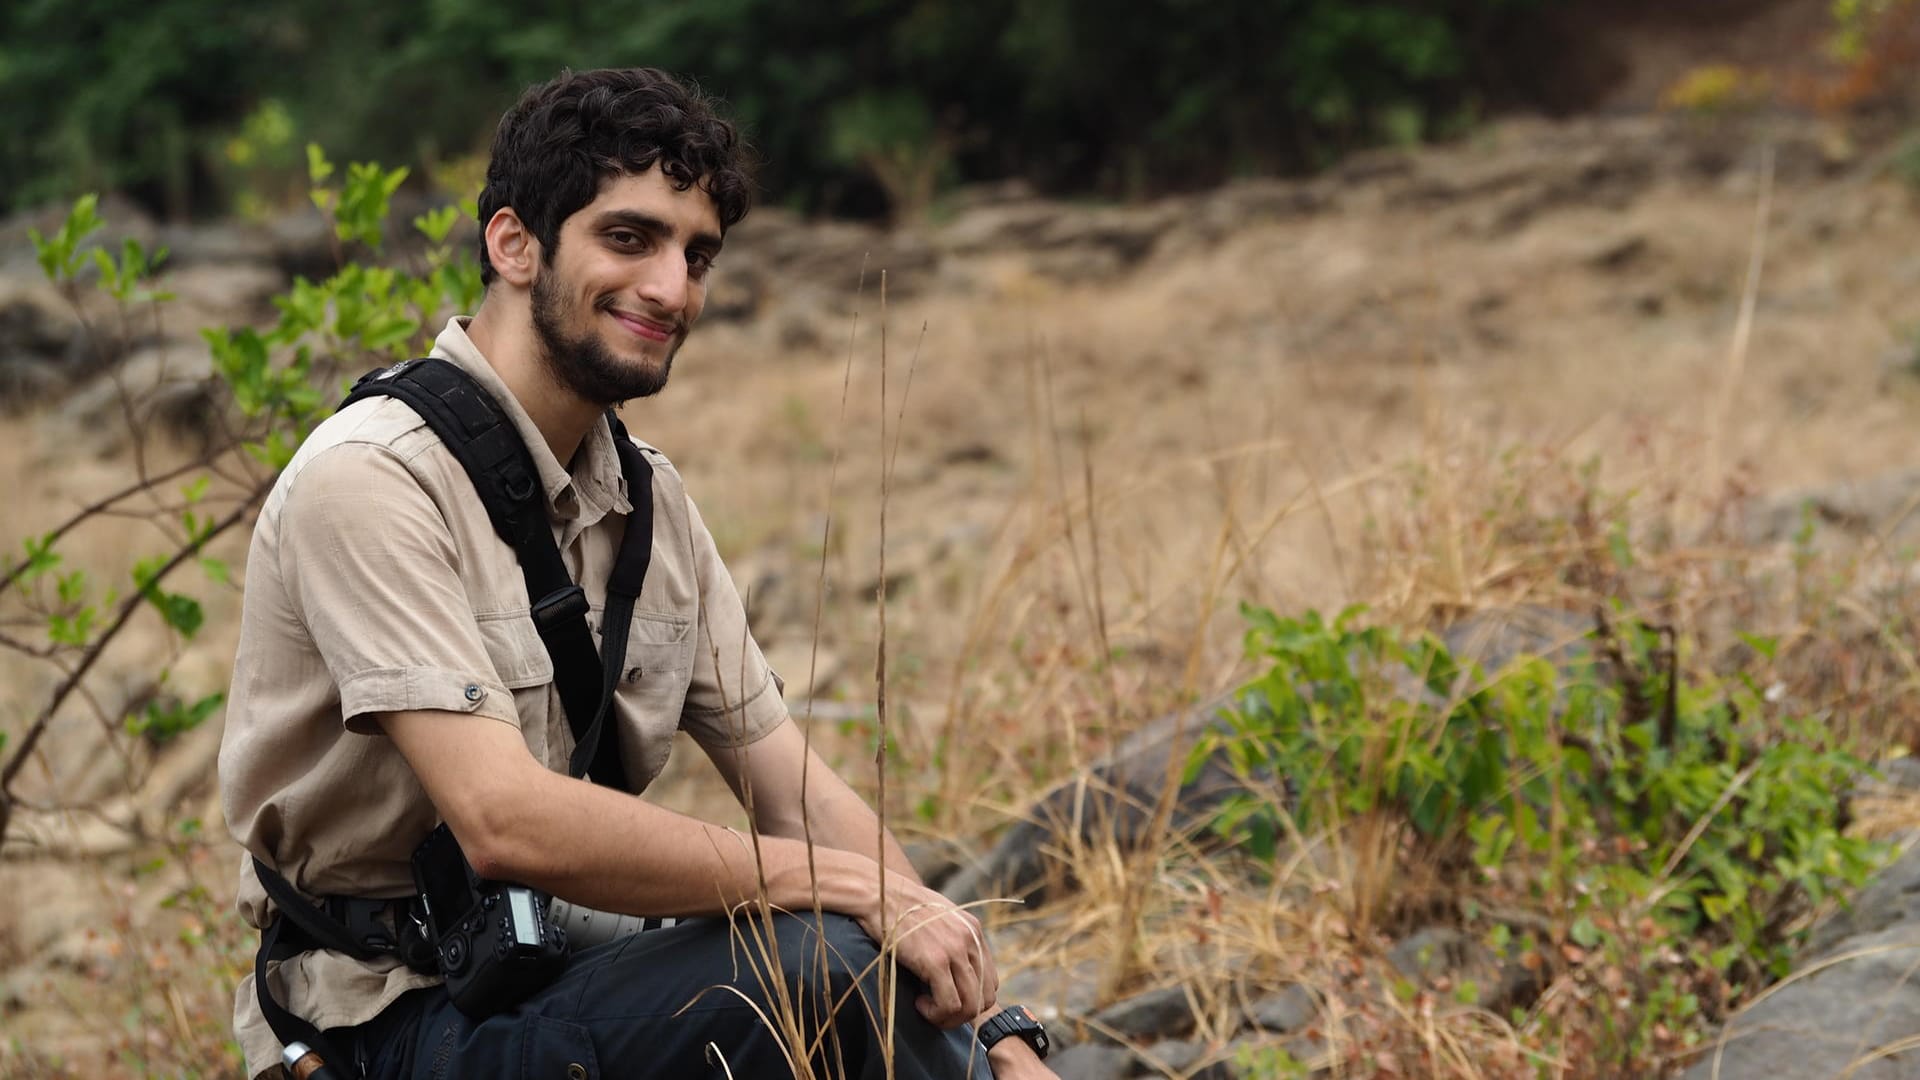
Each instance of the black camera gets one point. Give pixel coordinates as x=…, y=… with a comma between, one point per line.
x=493, y=940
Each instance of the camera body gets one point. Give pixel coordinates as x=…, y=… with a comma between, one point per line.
x=493, y=940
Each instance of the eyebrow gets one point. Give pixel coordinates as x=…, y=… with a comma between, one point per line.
x=653, y=227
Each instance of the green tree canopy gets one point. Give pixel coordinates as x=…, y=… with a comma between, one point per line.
x=1076, y=95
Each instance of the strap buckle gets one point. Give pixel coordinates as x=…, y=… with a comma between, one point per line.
x=558, y=606
x=362, y=919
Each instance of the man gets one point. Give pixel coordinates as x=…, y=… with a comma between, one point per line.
x=390, y=677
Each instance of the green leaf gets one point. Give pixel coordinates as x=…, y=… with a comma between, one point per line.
x=40, y=556
x=435, y=225
x=72, y=587
x=216, y=570
x=318, y=167
x=1584, y=933
x=1768, y=647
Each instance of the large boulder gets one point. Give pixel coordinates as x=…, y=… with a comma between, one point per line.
x=1116, y=800
x=43, y=343
x=1852, y=1009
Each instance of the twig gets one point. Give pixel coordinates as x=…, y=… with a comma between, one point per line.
x=1743, y=326
x=100, y=506
x=131, y=604
x=880, y=677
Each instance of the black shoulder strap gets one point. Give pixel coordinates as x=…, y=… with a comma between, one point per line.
x=483, y=439
x=623, y=588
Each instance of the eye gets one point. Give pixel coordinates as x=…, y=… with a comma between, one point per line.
x=699, y=262
x=626, y=238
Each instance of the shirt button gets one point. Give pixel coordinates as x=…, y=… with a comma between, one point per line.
x=475, y=692
x=633, y=675
x=576, y=1071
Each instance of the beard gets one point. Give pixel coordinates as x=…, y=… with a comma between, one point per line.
x=582, y=362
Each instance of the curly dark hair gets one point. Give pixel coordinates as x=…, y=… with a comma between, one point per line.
x=565, y=138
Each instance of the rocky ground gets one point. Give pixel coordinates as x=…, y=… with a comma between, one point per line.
x=1129, y=416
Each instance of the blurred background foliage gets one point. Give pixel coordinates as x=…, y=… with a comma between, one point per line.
x=864, y=107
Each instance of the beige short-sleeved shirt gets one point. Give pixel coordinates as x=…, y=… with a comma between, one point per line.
x=375, y=583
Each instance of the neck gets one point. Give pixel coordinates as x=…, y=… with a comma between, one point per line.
x=507, y=341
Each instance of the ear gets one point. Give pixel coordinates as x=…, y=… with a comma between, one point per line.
x=512, y=248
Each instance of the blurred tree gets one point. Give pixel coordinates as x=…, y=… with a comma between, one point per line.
x=857, y=106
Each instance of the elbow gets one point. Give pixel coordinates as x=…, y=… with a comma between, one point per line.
x=501, y=837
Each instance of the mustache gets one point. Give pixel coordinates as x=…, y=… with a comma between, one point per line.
x=677, y=323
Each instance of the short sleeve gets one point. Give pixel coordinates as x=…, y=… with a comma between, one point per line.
x=734, y=697
x=372, y=570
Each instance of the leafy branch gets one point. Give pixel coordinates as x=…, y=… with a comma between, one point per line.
x=271, y=386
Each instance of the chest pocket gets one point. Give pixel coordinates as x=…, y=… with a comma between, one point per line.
x=652, y=690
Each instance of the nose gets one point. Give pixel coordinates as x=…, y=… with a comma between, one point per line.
x=666, y=285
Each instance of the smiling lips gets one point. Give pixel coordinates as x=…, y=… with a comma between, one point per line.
x=645, y=327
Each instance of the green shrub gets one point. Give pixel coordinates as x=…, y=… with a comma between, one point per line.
x=1610, y=782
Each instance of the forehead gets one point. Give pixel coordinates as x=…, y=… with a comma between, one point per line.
x=652, y=194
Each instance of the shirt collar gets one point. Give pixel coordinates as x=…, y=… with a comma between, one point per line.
x=592, y=487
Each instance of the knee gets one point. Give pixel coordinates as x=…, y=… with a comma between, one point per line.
x=831, y=951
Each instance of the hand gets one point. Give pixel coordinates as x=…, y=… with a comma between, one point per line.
x=940, y=943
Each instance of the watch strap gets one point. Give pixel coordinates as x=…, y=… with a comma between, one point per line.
x=1018, y=1021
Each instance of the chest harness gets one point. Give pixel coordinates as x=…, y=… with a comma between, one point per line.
x=483, y=439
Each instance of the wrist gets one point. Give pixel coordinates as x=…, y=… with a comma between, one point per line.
x=1011, y=1052
x=839, y=881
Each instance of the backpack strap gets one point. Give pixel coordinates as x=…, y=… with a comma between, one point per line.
x=483, y=439
x=623, y=589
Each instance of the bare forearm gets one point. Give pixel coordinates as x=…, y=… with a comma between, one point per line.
x=614, y=852
x=842, y=821
x=792, y=793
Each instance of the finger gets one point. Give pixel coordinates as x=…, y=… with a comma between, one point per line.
x=943, y=1007
x=989, y=977
x=966, y=978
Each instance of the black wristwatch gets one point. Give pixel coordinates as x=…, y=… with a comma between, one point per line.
x=1015, y=1020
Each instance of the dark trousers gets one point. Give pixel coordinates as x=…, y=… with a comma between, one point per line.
x=694, y=1000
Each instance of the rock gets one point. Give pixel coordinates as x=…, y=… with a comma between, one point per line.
x=1065, y=244
x=225, y=293
x=304, y=244
x=225, y=243
x=1495, y=638
x=1619, y=253
x=170, y=385
x=1890, y=900
x=1092, y=1062
x=1287, y=1011
x=934, y=860
x=1054, y=994
x=1154, y=1014
x=1175, y=1056
x=1879, y=506
x=1824, y=1023
x=1853, y=995
x=42, y=342
x=1433, y=951
x=1445, y=958
x=1113, y=799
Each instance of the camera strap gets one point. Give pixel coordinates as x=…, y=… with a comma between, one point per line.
x=483, y=439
